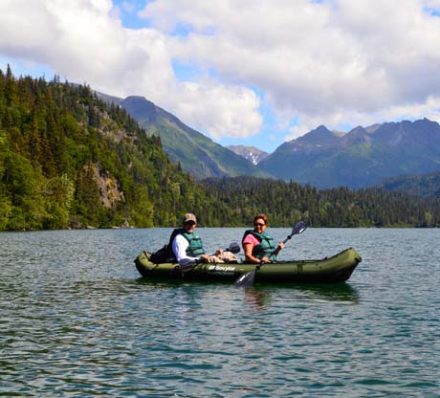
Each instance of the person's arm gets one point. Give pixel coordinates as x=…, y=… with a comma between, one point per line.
x=179, y=246
x=279, y=248
x=249, y=257
x=248, y=247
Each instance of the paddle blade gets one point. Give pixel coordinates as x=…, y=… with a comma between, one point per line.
x=246, y=279
x=299, y=228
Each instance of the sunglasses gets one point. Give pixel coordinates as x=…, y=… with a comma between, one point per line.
x=259, y=224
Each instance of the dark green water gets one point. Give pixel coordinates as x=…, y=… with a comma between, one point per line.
x=76, y=320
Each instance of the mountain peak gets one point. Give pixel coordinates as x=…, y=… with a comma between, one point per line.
x=321, y=137
x=357, y=135
x=254, y=155
x=140, y=108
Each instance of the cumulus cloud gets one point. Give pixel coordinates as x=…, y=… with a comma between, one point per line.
x=333, y=62
x=226, y=111
x=74, y=38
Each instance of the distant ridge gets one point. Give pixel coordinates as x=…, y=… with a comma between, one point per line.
x=360, y=158
x=427, y=185
x=363, y=157
x=196, y=153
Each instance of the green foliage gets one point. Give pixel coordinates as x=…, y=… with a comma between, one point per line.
x=23, y=194
x=60, y=194
x=67, y=160
x=287, y=202
x=5, y=212
x=426, y=185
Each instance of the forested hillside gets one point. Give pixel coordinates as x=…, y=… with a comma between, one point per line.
x=197, y=154
x=426, y=185
x=69, y=160
x=287, y=202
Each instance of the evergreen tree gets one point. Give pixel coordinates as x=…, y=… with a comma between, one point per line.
x=69, y=160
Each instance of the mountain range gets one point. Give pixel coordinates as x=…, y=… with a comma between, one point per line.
x=196, y=153
x=69, y=160
x=363, y=157
x=360, y=158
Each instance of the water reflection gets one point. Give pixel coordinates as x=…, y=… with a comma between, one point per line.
x=341, y=292
x=259, y=297
x=256, y=298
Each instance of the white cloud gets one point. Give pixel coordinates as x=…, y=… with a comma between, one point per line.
x=76, y=38
x=317, y=61
x=226, y=110
x=338, y=120
x=332, y=62
x=433, y=5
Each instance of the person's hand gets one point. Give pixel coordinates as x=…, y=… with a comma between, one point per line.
x=204, y=258
x=281, y=245
x=219, y=252
x=265, y=260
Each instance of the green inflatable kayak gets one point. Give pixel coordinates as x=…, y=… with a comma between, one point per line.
x=335, y=269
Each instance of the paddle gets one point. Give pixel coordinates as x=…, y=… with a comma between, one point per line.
x=248, y=278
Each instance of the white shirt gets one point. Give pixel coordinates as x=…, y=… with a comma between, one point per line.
x=179, y=246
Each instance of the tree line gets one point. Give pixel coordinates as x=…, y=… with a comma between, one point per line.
x=287, y=202
x=69, y=160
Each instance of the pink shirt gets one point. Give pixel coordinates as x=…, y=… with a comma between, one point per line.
x=251, y=239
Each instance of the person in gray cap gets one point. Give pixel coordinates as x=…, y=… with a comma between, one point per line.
x=187, y=246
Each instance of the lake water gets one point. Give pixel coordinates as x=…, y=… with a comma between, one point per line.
x=77, y=321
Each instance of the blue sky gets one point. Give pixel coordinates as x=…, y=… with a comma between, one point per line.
x=252, y=72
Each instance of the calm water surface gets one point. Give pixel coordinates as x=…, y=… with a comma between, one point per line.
x=76, y=320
